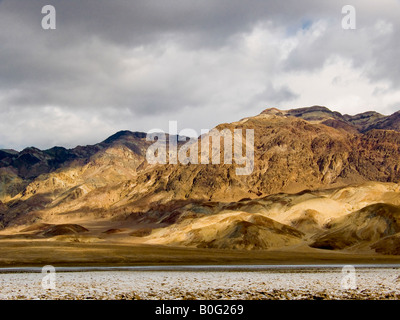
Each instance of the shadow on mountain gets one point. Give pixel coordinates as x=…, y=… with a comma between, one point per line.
x=365, y=226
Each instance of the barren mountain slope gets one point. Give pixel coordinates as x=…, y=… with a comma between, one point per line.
x=365, y=226
x=111, y=186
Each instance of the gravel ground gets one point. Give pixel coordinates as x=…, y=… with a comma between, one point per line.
x=370, y=283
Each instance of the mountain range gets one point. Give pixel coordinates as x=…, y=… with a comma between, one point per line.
x=321, y=181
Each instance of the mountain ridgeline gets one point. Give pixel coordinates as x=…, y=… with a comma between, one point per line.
x=319, y=176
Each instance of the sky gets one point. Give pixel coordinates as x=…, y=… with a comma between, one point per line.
x=136, y=65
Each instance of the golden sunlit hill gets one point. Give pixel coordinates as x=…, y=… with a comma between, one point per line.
x=321, y=182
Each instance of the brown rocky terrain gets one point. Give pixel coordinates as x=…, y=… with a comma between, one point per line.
x=321, y=180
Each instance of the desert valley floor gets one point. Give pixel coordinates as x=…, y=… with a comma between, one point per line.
x=281, y=283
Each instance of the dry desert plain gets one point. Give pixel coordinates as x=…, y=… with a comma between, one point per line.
x=86, y=271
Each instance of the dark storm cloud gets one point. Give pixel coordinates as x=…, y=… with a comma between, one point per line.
x=119, y=64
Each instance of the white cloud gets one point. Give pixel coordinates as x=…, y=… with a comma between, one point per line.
x=138, y=65
x=342, y=87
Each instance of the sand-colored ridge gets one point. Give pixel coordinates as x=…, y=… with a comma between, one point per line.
x=311, y=174
x=365, y=226
x=236, y=230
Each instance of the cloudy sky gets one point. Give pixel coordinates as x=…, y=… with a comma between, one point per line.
x=135, y=65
